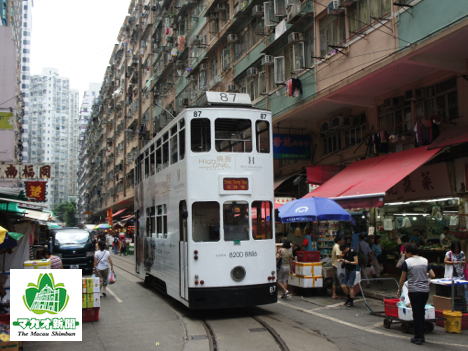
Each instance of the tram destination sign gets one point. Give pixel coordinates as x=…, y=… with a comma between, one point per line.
x=235, y=184
x=216, y=98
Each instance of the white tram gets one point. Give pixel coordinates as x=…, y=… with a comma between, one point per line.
x=204, y=206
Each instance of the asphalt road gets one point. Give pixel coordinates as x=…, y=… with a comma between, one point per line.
x=134, y=317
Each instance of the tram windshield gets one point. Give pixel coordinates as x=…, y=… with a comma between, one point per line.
x=236, y=220
x=233, y=135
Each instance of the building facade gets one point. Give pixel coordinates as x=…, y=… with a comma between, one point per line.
x=11, y=102
x=339, y=71
x=53, y=136
x=25, y=71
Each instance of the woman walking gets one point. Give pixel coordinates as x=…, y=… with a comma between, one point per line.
x=286, y=265
x=377, y=250
x=123, y=246
x=101, y=266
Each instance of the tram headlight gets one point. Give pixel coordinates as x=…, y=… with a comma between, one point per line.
x=238, y=273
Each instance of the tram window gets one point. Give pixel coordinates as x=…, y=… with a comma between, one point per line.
x=159, y=164
x=263, y=136
x=200, y=135
x=236, y=220
x=152, y=160
x=161, y=221
x=174, y=145
x=165, y=150
x=233, y=135
x=147, y=164
x=182, y=144
x=205, y=221
x=262, y=213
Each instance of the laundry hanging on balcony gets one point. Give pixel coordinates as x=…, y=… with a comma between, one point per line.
x=174, y=52
x=293, y=87
x=181, y=43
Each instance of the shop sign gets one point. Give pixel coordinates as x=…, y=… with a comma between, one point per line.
x=6, y=120
x=25, y=171
x=427, y=182
x=45, y=305
x=290, y=146
x=36, y=190
x=283, y=200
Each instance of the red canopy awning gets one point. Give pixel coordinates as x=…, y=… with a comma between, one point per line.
x=115, y=214
x=450, y=137
x=319, y=174
x=372, y=177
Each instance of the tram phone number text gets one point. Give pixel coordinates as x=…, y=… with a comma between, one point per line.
x=243, y=254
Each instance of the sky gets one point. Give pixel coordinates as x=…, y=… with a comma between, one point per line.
x=77, y=37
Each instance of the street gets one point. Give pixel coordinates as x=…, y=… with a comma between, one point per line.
x=134, y=317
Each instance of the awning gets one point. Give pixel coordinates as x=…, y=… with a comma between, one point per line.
x=280, y=180
x=450, y=137
x=371, y=178
x=115, y=214
x=25, y=203
x=38, y=215
x=319, y=174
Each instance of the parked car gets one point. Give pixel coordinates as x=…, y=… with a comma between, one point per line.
x=74, y=247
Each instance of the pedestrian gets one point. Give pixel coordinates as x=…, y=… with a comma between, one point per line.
x=377, y=258
x=286, y=266
x=455, y=262
x=336, y=254
x=415, y=238
x=416, y=269
x=55, y=261
x=101, y=266
x=364, y=252
x=350, y=261
x=116, y=245
x=123, y=246
x=93, y=242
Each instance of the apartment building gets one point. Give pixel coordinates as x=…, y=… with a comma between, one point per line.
x=53, y=133
x=11, y=102
x=343, y=72
x=25, y=71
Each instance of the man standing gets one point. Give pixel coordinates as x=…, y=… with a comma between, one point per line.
x=336, y=254
x=364, y=250
x=415, y=269
x=350, y=260
x=415, y=238
x=444, y=241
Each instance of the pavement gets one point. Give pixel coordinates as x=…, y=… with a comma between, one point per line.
x=135, y=317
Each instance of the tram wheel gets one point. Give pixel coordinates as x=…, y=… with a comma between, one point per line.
x=405, y=328
x=387, y=323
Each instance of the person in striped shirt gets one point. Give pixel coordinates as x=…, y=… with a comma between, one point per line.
x=55, y=261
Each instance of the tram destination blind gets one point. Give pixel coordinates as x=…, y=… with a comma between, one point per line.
x=235, y=184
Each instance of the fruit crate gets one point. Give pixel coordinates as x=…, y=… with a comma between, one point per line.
x=308, y=256
x=391, y=308
x=90, y=314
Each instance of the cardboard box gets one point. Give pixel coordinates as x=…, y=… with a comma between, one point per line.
x=84, y=302
x=309, y=269
x=442, y=303
x=84, y=282
x=89, y=285
x=96, y=284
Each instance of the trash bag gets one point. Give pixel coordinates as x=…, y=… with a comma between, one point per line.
x=112, y=278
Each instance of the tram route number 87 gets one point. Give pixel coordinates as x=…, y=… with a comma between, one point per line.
x=243, y=254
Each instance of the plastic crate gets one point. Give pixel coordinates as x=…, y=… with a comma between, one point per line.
x=308, y=256
x=90, y=314
x=446, y=290
x=391, y=308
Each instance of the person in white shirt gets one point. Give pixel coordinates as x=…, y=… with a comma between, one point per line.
x=101, y=266
x=444, y=241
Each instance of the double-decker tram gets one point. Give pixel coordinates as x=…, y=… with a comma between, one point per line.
x=204, y=206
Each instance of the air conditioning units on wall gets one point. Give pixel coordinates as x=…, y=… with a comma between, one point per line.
x=252, y=72
x=232, y=38
x=295, y=37
x=233, y=88
x=267, y=60
x=257, y=11
x=334, y=8
x=203, y=67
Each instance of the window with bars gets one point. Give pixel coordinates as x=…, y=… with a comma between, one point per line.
x=331, y=143
x=332, y=32
x=365, y=12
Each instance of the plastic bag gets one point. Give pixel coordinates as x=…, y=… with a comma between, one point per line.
x=372, y=270
x=340, y=270
x=94, y=276
x=111, y=278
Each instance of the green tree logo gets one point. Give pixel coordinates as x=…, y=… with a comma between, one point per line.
x=46, y=296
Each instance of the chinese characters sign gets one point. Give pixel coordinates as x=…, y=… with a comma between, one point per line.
x=286, y=146
x=36, y=190
x=235, y=184
x=14, y=171
x=431, y=181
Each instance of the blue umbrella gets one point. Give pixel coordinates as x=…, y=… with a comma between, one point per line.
x=313, y=209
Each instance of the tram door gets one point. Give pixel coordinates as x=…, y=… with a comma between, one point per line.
x=183, y=250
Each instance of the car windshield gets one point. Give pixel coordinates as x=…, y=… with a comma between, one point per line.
x=71, y=237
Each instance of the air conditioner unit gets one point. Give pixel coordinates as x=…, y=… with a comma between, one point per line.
x=252, y=72
x=257, y=11
x=294, y=12
x=202, y=39
x=324, y=128
x=267, y=60
x=232, y=38
x=334, y=8
x=203, y=67
x=213, y=15
x=233, y=88
x=295, y=37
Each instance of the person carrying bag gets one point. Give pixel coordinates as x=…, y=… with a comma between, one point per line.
x=101, y=266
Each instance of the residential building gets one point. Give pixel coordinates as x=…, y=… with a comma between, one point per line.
x=11, y=102
x=53, y=135
x=25, y=71
x=364, y=67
